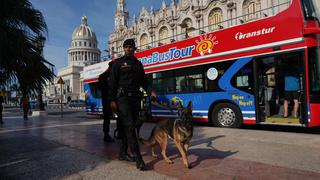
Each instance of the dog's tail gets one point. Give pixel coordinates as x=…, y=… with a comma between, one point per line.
x=150, y=141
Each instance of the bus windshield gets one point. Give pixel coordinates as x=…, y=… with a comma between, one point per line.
x=314, y=55
x=311, y=9
x=94, y=88
x=316, y=4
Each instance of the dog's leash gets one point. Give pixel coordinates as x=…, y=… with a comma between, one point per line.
x=165, y=107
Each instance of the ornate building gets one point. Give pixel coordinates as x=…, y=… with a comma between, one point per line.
x=83, y=52
x=185, y=18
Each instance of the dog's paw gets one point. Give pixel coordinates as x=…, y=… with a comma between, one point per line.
x=169, y=161
x=155, y=155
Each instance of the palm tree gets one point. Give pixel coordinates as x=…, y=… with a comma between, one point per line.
x=20, y=58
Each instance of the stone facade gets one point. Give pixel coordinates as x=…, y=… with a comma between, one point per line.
x=185, y=18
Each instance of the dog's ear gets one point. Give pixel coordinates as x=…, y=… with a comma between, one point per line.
x=179, y=105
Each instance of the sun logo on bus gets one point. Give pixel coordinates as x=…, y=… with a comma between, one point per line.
x=206, y=44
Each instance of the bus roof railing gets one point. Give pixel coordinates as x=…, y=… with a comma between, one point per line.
x=190, y=32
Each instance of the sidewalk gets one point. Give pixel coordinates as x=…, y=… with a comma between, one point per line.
x=54, y=148
x=73, y=148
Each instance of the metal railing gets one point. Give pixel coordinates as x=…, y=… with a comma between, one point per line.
x=263, y=13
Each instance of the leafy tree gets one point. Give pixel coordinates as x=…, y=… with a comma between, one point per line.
x=21, y=25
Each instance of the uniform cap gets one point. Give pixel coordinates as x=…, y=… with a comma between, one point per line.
x=129, y=42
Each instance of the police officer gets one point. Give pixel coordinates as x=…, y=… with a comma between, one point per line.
x=126, y=78
x=103, y=85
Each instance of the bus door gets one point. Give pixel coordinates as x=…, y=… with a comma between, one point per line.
x=267, y=104
x=278, y=100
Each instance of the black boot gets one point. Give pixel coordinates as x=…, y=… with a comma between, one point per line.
x=126, y=157
x=107, y=138
x=141, y=165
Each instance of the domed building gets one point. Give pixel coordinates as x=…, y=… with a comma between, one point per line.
x=83, y=52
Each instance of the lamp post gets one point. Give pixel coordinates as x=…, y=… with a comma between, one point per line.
x=61, y=82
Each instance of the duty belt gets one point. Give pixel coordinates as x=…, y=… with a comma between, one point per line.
x=131, y=93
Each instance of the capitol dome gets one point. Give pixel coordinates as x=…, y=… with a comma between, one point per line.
x=83, y=50
x=83, y=31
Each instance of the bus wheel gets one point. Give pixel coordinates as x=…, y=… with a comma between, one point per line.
x=226, y=115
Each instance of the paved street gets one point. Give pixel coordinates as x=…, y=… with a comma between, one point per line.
x=72, y=148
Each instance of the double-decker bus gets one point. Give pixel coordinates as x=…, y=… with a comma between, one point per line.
x=91, y=88
x=234, y=76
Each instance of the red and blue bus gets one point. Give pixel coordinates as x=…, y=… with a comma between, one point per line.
x=91, y=88
x=234, y=76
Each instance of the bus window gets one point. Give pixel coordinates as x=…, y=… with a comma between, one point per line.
x=189, y=80
x=163, y=82
x=243, y=79
x=95, y=91
x=316, y=4
x=195, y=83
x=314, y=70
x=311, y=9
x=213, y=73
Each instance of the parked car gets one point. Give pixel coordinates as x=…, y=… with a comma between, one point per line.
x=76, y=103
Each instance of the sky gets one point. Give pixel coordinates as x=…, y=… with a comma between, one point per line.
x=63, y=16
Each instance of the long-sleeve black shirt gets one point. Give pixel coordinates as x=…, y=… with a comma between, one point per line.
x=127, y=73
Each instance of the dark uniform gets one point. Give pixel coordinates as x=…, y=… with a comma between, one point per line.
x=126, y=78
x=103, y=85
x=1, y=109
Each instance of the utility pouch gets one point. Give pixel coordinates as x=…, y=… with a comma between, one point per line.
x=121, y=92
x=136, y=94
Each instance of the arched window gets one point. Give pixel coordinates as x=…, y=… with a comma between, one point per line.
x=251, y=9
x=143, y=41
x=189, y=27
x=163, y=35
x=215, y=19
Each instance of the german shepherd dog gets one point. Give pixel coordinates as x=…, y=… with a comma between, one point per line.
x=179, y=129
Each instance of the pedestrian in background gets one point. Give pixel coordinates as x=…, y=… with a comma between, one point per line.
x=126, y=77
x=24, y=103
x=103, y=85
x=1, y=109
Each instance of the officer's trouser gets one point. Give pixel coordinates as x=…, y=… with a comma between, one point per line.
x=106, y=114
x=128, y=113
